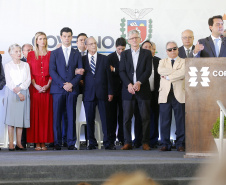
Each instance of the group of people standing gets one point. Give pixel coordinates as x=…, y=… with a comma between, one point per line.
x=41, y=93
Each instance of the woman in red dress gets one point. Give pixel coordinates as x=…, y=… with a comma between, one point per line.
x=41, y=125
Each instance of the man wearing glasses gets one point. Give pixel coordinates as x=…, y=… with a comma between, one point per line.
x=135, y=69
x=215, y=44
x=172, y=96
x=97, y=91
x=186, y=51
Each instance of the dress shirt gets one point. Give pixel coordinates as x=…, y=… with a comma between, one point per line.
x=68, y=51
x=119, y=58
x=17, y=74
x=135, y=56
x=219, y=42
x=85, y=52
x=190, y=50
x=151, y=78
x=95, y=58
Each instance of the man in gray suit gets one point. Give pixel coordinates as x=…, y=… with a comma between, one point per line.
x=215, y=44
x=186, y=51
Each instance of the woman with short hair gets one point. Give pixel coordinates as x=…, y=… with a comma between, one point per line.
x=17, y=98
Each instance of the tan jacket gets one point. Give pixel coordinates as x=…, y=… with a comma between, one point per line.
x=176, y=77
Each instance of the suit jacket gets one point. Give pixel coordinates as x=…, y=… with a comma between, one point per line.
x=209, y=48
x=156, y=74
x=61, y=73
x=23, y=59
x=143, y=72
x=117, y=83
x=98, y=85
x=182, y=53
x=176, y=76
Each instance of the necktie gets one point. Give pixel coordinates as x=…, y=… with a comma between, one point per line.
x=92, y=65
x=82, y=53
x=66, y=56
x=187, y=52
x=216, y=47
x=172, y=62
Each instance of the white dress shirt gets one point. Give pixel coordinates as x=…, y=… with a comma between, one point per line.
x=85, y=52
x=135, y=56
x=17, y=74
x=68, y=51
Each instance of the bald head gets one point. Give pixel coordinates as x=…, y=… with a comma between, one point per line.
x=187, y=37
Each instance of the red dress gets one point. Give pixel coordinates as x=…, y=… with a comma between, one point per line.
x=41, y=115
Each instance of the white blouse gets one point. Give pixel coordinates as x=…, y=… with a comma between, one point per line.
x=16, y=74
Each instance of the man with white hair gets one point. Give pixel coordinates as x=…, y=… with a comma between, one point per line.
x=135, y=69
x=186, y=51
x=172, y=96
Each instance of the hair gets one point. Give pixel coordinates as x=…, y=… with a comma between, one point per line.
x=146, y=41
x=187, y=30
x=26, y=45
x=210, y=21
x=36, y=45
x=133, y=32
x=171, y=42
x=88, y=39
x=65, y=29
x=12, y=47
x=120, y=42
x=81, y=34
x=135, y=178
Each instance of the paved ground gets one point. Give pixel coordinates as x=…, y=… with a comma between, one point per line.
x=82, y=157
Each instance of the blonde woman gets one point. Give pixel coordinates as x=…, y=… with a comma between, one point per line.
x=41, y=129
x=17, y=98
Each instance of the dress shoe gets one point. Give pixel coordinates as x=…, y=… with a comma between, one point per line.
x=11, y=149
x=164, y=149
x=110, y=147
x=57, y=147
x=91, y=147
x=18, y=148
x=65, y=144
x=72, y=147
x=127, y=147
x=146, y=147
x=180, y=149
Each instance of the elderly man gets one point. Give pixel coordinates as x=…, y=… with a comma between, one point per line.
x=26, y=48
x=97, y=91
x=135, y=69
x=172, y=96
x=186, y=51
x=214, y=45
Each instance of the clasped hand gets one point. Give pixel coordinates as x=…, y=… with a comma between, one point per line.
x=133, y=88
x=41, y=89
x=68, y=87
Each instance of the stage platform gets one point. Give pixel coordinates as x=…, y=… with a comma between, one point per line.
x=94, y=166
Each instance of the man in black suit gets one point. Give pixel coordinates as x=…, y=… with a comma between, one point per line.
x=135, y=69
x=116, y=112
x=186, y=51
x=97, y=91
x=154, y=113
x=215, y=44
x=26, y=48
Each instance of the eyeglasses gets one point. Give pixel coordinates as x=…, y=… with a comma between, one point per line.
x=134, y=38
x=185, y=38
x=92, y=44
x=170, y=49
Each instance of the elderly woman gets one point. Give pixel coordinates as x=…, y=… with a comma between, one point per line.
x=17, y=98
x=41, y=130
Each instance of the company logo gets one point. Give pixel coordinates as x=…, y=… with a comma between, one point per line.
x=137, y=23
x=204, y=76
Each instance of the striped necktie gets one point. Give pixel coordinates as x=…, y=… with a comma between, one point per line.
x=92, y=65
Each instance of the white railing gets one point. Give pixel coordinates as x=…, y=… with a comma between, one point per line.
x=221, y=134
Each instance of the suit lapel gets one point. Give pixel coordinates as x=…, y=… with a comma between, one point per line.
x=130, y=58
x=176, y=63
x=98, y=62
x=211, y=45
x=62, y=55
x=223, y=47
x=71, y=56
x=141, y=55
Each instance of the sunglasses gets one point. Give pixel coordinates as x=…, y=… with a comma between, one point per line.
x=170, y=49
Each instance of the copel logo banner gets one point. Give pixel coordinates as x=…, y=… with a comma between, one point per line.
x=204, y=75
x=144, y=27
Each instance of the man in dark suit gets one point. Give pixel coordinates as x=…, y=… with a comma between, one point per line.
x=26, y=48
x=186, y=51
x=154, y=113
x=135, y=69
x=116, y=112
x=64, y=87
x=97, y=91
x=215, y=44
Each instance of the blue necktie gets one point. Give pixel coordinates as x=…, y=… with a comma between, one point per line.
x=216, y=47
x=92, y=65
